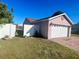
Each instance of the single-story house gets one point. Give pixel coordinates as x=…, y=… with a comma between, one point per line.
x=75, y=28
x=50, y=27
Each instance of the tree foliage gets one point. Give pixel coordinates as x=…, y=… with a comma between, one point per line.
x=5, y=14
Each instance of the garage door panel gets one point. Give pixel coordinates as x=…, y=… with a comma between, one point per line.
x=59, y=31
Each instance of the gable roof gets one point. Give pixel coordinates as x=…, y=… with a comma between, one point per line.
x=30, y=20
x=65, y=15
x=53, y=17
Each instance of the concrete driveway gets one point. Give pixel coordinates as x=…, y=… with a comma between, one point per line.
x=72, y=42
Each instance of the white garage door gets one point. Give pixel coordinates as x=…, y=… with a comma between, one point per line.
x=59, y=31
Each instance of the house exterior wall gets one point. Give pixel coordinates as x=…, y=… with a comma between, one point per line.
x=43, y=28
x=7, y=30
x=29, y=30
x=70, y=31
x=58, y=21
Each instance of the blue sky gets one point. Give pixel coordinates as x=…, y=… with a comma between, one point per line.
x=42, y=8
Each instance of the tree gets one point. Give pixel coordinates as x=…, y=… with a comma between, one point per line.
x=5, y=15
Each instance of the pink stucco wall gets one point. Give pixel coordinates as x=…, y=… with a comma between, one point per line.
x=60, y=21
x=43, y=27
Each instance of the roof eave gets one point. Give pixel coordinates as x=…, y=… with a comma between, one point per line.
x=62, y=15
x=68, y=18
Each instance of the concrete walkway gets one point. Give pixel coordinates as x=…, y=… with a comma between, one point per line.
x=72, y=43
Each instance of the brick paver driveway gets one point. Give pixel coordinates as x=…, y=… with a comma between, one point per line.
x=73, y=42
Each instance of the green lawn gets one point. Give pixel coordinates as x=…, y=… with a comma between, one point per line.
x=33, y=48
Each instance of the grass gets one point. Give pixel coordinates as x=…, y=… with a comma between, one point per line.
x=33, y=48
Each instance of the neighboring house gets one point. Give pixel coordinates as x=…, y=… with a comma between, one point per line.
x=7, y=30
x=75, y=28
x=19, y=27
x=50, y=27
x=19, y=30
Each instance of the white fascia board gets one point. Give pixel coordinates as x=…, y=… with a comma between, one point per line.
x=61, y=15
x=56, y=16
x=68, y=18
